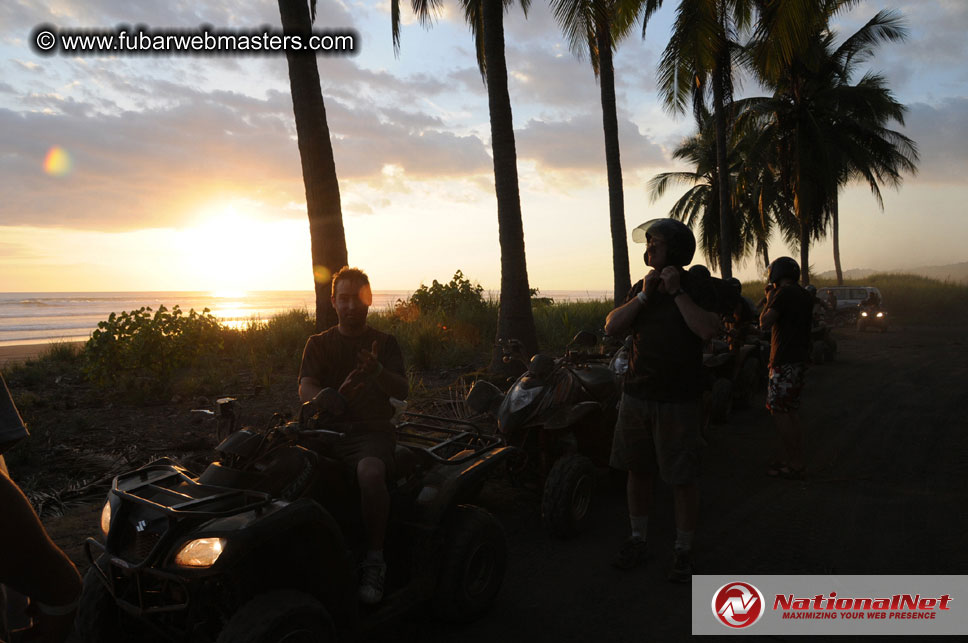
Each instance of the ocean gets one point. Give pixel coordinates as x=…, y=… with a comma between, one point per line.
x=42, y=317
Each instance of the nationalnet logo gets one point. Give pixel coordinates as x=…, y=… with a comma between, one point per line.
x=737, y=605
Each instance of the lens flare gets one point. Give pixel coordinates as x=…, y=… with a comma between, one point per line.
x=58, y=161
x=321, y=274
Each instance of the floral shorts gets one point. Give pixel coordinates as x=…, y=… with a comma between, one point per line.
x=783, y=391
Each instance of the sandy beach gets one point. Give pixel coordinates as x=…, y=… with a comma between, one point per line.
x=22, y=352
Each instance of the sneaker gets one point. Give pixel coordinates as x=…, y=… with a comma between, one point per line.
x=372, y=576
x=682, y=569
x=631, y=555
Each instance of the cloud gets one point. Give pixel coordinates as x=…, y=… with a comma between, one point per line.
x=940, y=132
x=152, y=167
x=578, y=144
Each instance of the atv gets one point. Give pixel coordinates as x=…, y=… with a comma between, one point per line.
x=823, y=346
x=258, y=548
x=871, y=317
x=561, y=414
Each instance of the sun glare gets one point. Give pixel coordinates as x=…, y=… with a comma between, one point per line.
x=230, y=251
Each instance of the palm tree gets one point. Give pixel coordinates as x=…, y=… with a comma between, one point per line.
x=751, y=201
x=327, y=239
x=698, y=61
x=486, y=20
x=825, y=131
x=594, y=28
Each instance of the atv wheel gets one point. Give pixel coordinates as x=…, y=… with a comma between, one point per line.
x=473, y=567
x=817, y=354
x=721, y=400
x=99, y=620
x=281, y=616
x=567, y=495
x=746, y=385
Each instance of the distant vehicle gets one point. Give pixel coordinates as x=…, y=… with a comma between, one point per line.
x=848, y=297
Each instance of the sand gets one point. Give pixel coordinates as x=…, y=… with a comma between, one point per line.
x=22, y=352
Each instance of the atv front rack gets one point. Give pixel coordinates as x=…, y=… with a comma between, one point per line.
x=442, y=440
x=167, y=488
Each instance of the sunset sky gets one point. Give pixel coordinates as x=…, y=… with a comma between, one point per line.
x=182, y=172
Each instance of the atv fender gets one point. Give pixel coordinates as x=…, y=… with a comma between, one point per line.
x=287, y=545
x=449, y=485
x=568, y=416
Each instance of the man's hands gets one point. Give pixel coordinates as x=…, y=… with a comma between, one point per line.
x=670, y=279
x=368, y=363
x=367, y=368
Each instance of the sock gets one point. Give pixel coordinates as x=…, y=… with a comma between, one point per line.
x=375, y=555
x=639, y=526
x=684, y=539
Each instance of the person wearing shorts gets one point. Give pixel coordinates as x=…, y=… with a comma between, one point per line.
x=670, y=314
x=788, y=314
x=351, y=371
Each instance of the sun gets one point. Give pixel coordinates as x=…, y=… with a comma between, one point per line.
x=227, y=250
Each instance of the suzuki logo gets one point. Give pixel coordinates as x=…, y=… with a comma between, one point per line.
x=140, y=526
x=738, y=604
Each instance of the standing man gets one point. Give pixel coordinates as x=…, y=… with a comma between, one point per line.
x=670, y=316
x=366, y=367
x=788, y=312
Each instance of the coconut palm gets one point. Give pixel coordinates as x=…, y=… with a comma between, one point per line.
x=826, y=131
x=327, y=239
x=486, y=20
x=593, y=29
x=698, y=61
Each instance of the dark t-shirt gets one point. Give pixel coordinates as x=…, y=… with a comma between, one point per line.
x=330, y=356
x=666, y=364
x=790, y=339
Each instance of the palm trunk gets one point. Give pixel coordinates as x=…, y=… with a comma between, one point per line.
x=613, y=165
x=804, y=251
x=326, y=234
x=725, y=249
x=835, y=220
x=515, y=320
x=765, y=253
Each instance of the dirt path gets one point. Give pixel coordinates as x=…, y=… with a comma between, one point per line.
x=888, y=483
x=888, y=458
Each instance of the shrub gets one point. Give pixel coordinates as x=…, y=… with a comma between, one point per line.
x=451, y=297
x=138, y=354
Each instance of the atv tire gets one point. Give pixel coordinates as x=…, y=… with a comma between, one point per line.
x=99, y=619
x=277, y=616
x=746, y=385
x=721, y=400
x=474, y=561
x=567, y=495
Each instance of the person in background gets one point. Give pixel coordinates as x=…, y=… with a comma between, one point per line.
x=788, y=316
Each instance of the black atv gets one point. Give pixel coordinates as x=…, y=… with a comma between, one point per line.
x=258, y=548
x=561, y=415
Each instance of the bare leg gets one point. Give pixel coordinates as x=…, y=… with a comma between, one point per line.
x=639, y=490
x=374, y=500
x=686, y=499
x=791, y=438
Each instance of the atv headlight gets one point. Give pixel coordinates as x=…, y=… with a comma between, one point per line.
x=880, y=314
x=106, y=518
x=863, y=314
x=201, y=552
x=521, y=397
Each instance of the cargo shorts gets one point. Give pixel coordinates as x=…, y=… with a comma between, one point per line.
x=786, y=383
x=658, y=436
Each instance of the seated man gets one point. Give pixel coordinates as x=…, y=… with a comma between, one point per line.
x=366, y=366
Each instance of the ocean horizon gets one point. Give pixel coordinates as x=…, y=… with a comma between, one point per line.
x=43, y=317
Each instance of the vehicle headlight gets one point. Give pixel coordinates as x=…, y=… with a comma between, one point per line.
x=863, y=314
x=880, y=314
x=521, y=397
x=106, y=518
x=201, y=552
